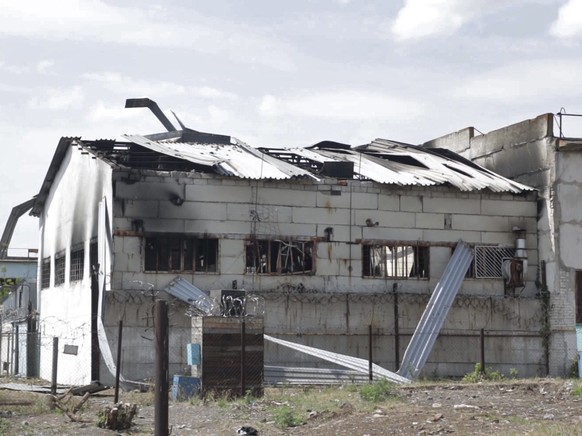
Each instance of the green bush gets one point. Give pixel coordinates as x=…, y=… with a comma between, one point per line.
x=377, y=392
x=286, y=417
x=479, y=375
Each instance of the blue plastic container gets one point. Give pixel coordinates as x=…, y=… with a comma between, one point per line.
x=185, y=387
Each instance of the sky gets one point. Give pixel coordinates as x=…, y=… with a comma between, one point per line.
x=274, y=73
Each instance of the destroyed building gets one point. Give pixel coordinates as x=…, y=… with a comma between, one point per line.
x=337, y=240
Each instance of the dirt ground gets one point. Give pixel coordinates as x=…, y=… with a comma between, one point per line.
x=539, y=407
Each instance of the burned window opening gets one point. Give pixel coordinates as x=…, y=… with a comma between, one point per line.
x=279, y=257
x=45, y=273
x=395, y=261
x=60, y=261
x=77, y=265
x=181, y=254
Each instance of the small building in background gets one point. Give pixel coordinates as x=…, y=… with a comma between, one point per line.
x=19, y=348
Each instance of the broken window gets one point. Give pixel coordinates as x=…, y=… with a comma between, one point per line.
x=395, y=261
x=60, y=261
x=77, y=265
x=181, y=253
x=45, y=273
x=279, y=257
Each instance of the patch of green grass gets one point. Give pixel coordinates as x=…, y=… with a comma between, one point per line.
x=479, y=375
x=377, y=392
x=577, y=389
x=286, y=416
x=4, y=427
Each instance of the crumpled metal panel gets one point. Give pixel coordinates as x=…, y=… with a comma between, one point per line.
x=381, y=161
x=236, y=159
x=188, y=293
x=436, y=312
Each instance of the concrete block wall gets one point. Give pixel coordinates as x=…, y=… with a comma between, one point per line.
x=358, y=213
x=136, y=309
x=340, y=323
x=303, y=210
x=528, y=152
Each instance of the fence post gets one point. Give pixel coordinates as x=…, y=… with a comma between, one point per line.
x=162, y=369
x=118, y=363
x=242, y=357
x=396, y=328
x=55, y=365
x=482, y=351
x=17, y=349
x=370, y=355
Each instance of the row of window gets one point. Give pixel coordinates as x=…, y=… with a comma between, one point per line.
x=75, y=272
x=277, y=257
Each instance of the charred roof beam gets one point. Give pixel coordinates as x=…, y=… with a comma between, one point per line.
x=153, y=106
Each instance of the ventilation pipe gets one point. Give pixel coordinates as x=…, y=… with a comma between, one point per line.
x=514, y=269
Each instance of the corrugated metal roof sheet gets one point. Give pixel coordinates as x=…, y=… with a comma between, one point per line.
x=381, y=161
x=188, y=293
x=236, y=159
x=436, y=311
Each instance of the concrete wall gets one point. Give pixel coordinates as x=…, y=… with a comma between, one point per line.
x=222, y=207
x=341, y=323
x=528, y=152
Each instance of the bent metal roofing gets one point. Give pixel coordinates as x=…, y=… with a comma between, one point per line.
x=382, y=161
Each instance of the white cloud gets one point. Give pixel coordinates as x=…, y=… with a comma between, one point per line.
x=569, y=21
x=268, y=106
x=44, y=66
x=14, y=69
x=58, y=99
x=96, y=21
x=525, y=81
x=422, y=18
x=101, y=112
x=132, y=86
x=354, y=105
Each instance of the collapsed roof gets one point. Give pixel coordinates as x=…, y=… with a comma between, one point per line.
x=382, y=161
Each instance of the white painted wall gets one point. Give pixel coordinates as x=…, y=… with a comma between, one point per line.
x=69, y=218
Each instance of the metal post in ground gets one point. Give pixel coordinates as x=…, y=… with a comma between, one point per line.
x=162, y=369
x=242, y=358
x=55, y=365
x=396, y=328
x=370, y=369
x=482, y=351
x=118, y=363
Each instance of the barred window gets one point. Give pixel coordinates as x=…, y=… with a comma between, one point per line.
x=45, y=273
x=279, y=257
x=395, y=261
x=60, y=261
x=181, y=253
x=77, y=265
x=489, y=260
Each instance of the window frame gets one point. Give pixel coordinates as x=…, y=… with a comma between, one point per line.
x=77, y=265
x=398, y=265
x=180, y=253
x=276, y=256
x=60, y=268
x=45, y=273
